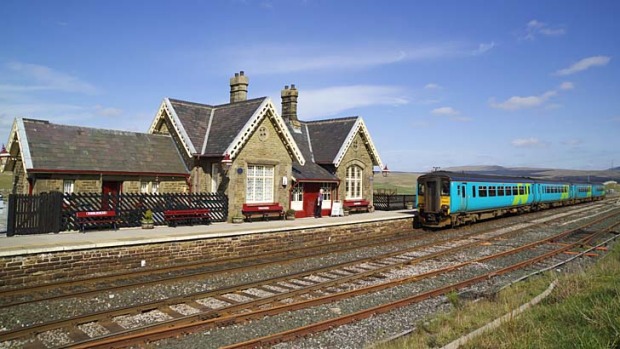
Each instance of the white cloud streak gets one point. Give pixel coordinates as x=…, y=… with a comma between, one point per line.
x=34, y=77
x=283, y=59
x=518, y=102
x=528, y=143
x=534, y=28
x=584, y=64
x=445, y=111
x=330, y=101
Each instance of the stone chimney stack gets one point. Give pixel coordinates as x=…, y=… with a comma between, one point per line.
x=289, y=104
x=239, y=87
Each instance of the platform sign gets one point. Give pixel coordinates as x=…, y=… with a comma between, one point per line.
x=337, y=208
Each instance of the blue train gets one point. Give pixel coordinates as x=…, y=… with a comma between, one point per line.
x=452, y=199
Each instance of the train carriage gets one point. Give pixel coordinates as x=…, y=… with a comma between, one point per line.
x=451, y=199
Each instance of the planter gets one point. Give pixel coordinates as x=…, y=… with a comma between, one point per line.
x=409, y=206
x=346, y=212
x=290, y=218
x=148, y=225
x=237, y=220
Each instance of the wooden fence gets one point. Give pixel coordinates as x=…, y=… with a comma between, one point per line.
x=54, y=212
x=385, y=202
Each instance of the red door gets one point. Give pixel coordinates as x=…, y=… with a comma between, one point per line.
x=110, y=192
x=311, y=193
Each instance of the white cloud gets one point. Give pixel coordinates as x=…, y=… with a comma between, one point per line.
x=573, y=142
x=290, y=58
x=432, y=86
x=445, y=111
x=584, y=64
x=527, y=143
x=567, y=85
x=534, y=28
x=34, y=77
x=107, y=111
x=483, y=47
x=518, y=102
x=334, y=100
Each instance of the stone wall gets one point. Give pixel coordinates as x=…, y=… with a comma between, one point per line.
x=27, y=270
x=261, y=149
x=360, y=156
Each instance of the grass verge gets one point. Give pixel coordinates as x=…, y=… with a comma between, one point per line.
x=583, y=311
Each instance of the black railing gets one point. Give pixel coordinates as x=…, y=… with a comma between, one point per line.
x=385, y=202
x=34, y=214
x=54, y=212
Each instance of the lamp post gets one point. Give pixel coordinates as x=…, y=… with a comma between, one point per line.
x=226, y=162
x=385, y=171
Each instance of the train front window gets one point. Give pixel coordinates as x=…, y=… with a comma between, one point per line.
x=445, y=188
x=420, y=188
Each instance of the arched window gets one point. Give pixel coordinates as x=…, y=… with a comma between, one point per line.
x=353, y=182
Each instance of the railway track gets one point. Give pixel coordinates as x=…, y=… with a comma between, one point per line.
x=171, y=274
x=250, y=297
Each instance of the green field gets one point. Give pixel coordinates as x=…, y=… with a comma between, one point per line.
x=6, y=180
x=401, y=182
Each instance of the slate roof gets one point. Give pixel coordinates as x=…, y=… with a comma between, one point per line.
x=62, y=148
x=310, y=170
x=328, y=137
x=228, y=121
x=320, y=142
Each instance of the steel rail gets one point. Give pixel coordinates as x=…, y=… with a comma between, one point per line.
x=366, y=313
x=173, y=327
x=32, y=330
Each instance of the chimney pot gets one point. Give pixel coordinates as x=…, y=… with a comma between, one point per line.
x=293, y=86
x=239, y=87
x=286, y=87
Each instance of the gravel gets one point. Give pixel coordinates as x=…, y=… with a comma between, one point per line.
x=359, y=334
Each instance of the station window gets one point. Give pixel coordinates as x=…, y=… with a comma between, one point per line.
x=68, y=185
x=353, y=182
x=298, y=192
x=259, y=183
x=327, y=191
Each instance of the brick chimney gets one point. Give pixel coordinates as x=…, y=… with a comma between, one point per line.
x=289, y=105
x=238, y=87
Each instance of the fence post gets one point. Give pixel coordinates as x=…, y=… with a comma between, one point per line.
x=10, y=229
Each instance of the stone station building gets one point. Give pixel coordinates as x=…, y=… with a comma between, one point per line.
x=244, y=149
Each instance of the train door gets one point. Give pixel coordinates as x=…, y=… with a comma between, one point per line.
x=432, y=200
x=461, y=193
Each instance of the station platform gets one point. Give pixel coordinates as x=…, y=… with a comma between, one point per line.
x=92, y=239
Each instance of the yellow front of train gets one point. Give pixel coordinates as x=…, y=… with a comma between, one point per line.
x=434, y=200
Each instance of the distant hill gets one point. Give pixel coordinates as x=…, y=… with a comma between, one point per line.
x=547, y=173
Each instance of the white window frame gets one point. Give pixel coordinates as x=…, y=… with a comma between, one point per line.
x=354, y=182
x=260, y=184
x=68, y=186
x=154, y=187
x=144, y=187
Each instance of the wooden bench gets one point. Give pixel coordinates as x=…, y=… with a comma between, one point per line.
x=263, y=210
x=189, y=216
x=96, y=218
x=356, y=205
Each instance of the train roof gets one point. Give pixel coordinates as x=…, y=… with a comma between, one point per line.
x=477, y=177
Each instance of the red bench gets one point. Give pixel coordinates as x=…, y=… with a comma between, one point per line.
x=263, y=210
x=356, y=205
x=190, y=216
x=96, y=218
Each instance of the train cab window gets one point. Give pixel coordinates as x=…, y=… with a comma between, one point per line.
x=420, y=188
x=500, y=191
x=492, y=191
x=482, y=191
x=445, y=188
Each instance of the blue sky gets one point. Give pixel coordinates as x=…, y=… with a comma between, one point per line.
x=438, y=83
